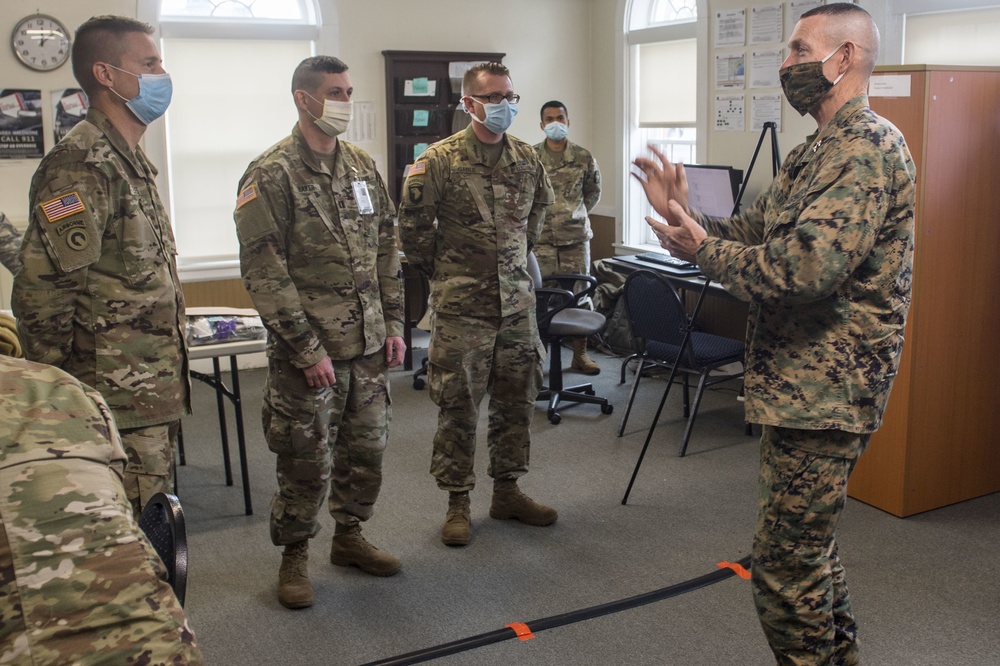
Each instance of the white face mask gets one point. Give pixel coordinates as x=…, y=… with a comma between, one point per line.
x=336, y=116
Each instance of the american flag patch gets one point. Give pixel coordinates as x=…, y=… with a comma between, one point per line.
x=64, y=206
x=418, y=168
x=248, y=194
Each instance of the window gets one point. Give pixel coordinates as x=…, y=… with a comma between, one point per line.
x=953, y=38
x=662, y=97
x=231, y=62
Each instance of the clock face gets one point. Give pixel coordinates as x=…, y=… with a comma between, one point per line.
x=41, y=42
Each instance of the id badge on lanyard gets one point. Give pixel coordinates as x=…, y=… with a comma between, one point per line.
x=362, y=198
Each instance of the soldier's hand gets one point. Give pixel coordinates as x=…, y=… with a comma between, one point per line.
x=320, y=375
x=395, y=350
x=662, y=182
x=681, y=240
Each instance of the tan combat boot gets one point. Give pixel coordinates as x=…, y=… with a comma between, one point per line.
x=350, y=549
x=294, y=589
x=509, y=502
x=457, y=528
x=582, y=362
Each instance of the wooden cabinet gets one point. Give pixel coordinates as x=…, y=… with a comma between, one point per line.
x=940, y=441
x=421, y=100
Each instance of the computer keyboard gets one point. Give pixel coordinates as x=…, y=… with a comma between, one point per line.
x=664, y=260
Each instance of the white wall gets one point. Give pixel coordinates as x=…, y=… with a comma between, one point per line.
x=547, y=47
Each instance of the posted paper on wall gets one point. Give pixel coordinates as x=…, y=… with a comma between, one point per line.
x=764, y=66
x=729, y=113
x=731, y=27
x=764, y=108
x=21, y=124
x=796, y=9
x=730, y=70
x=362, y=127
x=69, y=107
x=765, y=24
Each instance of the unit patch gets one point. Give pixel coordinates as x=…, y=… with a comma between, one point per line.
x=64, y=206
x=78, y=240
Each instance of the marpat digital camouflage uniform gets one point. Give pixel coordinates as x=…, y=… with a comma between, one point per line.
x=564, y=244
x=484, y=336
x=80, y=583
x=325, y=279
x=825, y=259
x=99, y=295
x=10, y=245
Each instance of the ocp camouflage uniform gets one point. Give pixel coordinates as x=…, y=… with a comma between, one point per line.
x=10, y=245
x=326, y=281
x=564, y=244
x=484, y=336
x=825, y=258
x=99, y=295
x=80, y=583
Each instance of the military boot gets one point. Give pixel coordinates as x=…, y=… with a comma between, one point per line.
x=350, y=549
x=582, y=362
x=294, y=589
x=457, y=528
x=509, y=502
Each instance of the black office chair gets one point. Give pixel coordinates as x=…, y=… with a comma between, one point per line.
x=658, y=323
x=559, y=319
x=162, y=521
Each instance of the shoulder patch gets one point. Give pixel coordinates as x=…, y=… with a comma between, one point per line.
x=64, y=206
x=418, y=168
x=247, y=194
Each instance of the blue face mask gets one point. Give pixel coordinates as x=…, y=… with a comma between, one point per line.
x=498, y=116
x=556, y=131
x=155, y=91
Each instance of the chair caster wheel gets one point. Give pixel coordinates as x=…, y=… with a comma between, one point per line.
x=554, y=419
x=607, y=409
x=418, y=383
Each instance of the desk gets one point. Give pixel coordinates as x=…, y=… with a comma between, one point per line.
x=722, y=314
x=215, y=352
x=631, y=263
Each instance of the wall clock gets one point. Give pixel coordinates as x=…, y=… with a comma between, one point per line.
x=40, y=42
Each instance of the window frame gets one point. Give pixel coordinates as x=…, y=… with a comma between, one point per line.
x=322, y=33
x=633, y=234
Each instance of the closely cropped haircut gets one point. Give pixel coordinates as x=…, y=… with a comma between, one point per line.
x=553, y=104
x=855, y=25
x=309, y=74
x=102, y=39
x=471, y=80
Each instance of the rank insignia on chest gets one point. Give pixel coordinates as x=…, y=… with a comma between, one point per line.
x=247, y=194
x=64, y=206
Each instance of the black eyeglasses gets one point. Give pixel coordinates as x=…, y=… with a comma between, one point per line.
x=496, y=98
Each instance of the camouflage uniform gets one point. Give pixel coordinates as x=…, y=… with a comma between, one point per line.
x=326, y=281
x=79, y=582
x=564, y=244
x=484, y=336
x=825, y=258
x=99, y=295
x=10, y=245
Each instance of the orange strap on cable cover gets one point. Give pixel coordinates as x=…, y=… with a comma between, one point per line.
x=735, y=566
x=522, y=630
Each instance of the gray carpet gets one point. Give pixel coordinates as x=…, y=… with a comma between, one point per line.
x=923, y=588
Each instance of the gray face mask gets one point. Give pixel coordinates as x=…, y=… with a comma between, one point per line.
x=498, y=116
x=806, y=85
